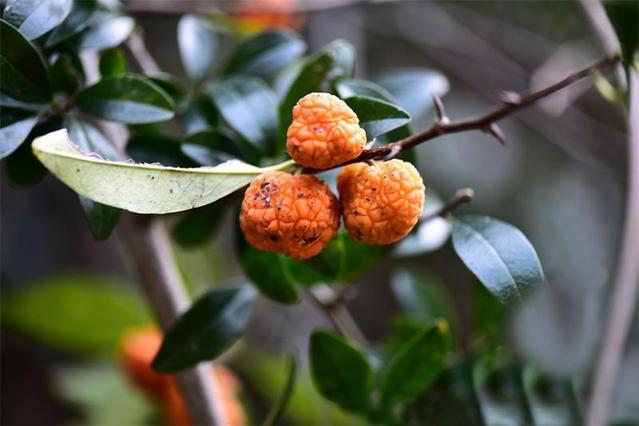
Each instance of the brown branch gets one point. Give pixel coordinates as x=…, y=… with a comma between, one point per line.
x=486, y=123
x=462, y=196
x=332, y=303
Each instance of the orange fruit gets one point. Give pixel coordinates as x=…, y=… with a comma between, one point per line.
x=293, y=215
x=137, y=349
x=381, y=202
x=324, y=133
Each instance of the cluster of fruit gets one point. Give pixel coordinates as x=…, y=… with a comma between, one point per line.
x=298, y=215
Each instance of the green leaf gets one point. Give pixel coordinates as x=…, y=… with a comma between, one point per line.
x=340, y=372
x=198, y=46
x=15, y=126
x=77, y=313
x=376, y=116
x=105, y=31
x=149, y=188
x=198, y=225
x=348, y=87
x=279, y=408
x=499, y=255
x=82, y=15
x=267, y=271
x=249, y=107
x=422, y=296
x=102, y=219
x=24, y=75
x=199, y=114
x=112, y=62
x=415, y=366
x=210, y=147
x=22, y=167
x=624, y=16
x=36, y=17
x=169, y=84
x=265, y=53
x=127, y=98
x=207, y=329
x=335, y=60
x=551, y=401
x=414, y=88
x=341, y=261
x=159, y=148
x=67, y=73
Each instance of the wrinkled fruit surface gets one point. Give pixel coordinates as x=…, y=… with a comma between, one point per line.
x=293, y=215
x=138, y=347
x=381, y=202
x=325, y=132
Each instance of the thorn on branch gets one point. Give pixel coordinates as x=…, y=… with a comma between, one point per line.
x=509, y=97
x=462, y=196
x=496, y=131
x=394, y=150
x=440, y=111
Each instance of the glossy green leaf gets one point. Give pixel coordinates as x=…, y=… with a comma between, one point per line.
x=67, y=73
x=342, y=260
x=624, y=16
x=199, y=114
x=82, y=16
x=415, y=365
x=24, y=75
x=75, y=313
x=413, y=88
x=376, y=116
x=335, y=60
x=126, y=98
x=198, y=225
x=169, y=84
x=499, y=255
x=265, y=53
x=106, y=30
x=102, y=219
x=249, y=107
x=348, y=87
x=141, y=188
x=500, y=394
x=152, y=147
x=267, y=271
x=340, y=371
x=22, y=167
x=210, y=147
x=422, y=296
x=198, y=46
x=208, y=328
x=112, y=62
x=15, y=126
x=36, y=17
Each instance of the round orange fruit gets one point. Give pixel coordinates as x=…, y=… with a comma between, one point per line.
x=324, y=133
x=382, y=201
x=296, y=215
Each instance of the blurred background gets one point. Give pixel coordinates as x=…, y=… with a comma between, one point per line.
x=561, y=179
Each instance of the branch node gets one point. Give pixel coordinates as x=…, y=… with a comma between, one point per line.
x=509, y=97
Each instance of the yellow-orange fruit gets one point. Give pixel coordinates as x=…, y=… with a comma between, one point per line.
x=324, y=133
x=382, y=201
x=293, y=215
x=137, y=349
x=228, y=387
